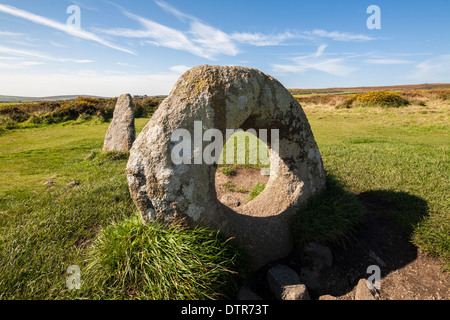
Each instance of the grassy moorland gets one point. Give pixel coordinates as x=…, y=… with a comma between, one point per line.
x=401, y=154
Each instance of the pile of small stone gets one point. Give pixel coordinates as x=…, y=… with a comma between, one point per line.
x=286, y=284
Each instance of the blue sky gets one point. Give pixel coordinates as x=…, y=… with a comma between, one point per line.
x=142, y=47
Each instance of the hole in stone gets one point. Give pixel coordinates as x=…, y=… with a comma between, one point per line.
x=243, y=171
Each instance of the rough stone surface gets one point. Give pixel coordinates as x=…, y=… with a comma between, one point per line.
x=318, y=256
x=327, y=297
x=121, y=132
x=285, y=284
x=318, y=260
x=311, y=278
x=227, y=98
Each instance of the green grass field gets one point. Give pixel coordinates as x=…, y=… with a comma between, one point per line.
x=400, y=154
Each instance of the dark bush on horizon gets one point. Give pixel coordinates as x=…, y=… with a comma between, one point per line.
x=82, y=108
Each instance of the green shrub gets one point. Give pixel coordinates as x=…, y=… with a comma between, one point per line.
x=145, y=108
x=442, y=94
x=385, y=99
x=81, y=109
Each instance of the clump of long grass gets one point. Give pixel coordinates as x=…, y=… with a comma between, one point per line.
x=132, y=260
x=330, y=218
x=256, y=190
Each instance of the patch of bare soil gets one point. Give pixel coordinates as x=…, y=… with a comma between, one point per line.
x=237, y=187
x=407, y=273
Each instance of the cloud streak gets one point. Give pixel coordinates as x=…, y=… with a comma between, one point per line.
x=339, y=36
x=10, y=34
x=433, y=69
x=262, y=40
x=315, y=61
x=79, y=33
x=387, y=61
x=37, y=55
x=201, y=39
x=206, y=41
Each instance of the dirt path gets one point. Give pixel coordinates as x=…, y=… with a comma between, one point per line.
x=406, y=272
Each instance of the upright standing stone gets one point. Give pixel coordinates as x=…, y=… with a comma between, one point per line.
x=121, y=132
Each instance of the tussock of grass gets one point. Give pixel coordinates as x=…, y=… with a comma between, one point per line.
x=256, y=190
x=228, y=171
x=330, y=218
x=133, y=260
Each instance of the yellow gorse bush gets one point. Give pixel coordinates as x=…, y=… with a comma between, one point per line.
x=376, y=99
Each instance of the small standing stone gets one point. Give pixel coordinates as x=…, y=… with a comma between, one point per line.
x=121, y=132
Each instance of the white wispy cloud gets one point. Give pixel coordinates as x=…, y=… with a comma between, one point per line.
x=38, y=55
x=316, y=61
x=261, y=40
x=180, y=69
x=174, y=11
x=88, y=82
x=387, y=61
x=339, y=36
x=90, y=6
x=10, y=34
x=206, y=41
x=79, y=33
x=435, y=69
x=55, y=44
x=18, y=64
x=201, y=39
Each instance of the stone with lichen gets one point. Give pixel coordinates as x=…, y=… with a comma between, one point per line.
x=227, y=98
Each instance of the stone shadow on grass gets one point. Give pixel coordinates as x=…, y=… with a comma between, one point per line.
x=382, y=237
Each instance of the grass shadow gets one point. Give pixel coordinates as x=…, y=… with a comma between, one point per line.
x=382, y=238
x=402, y=209
x=370, y=228
x=330, y=218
